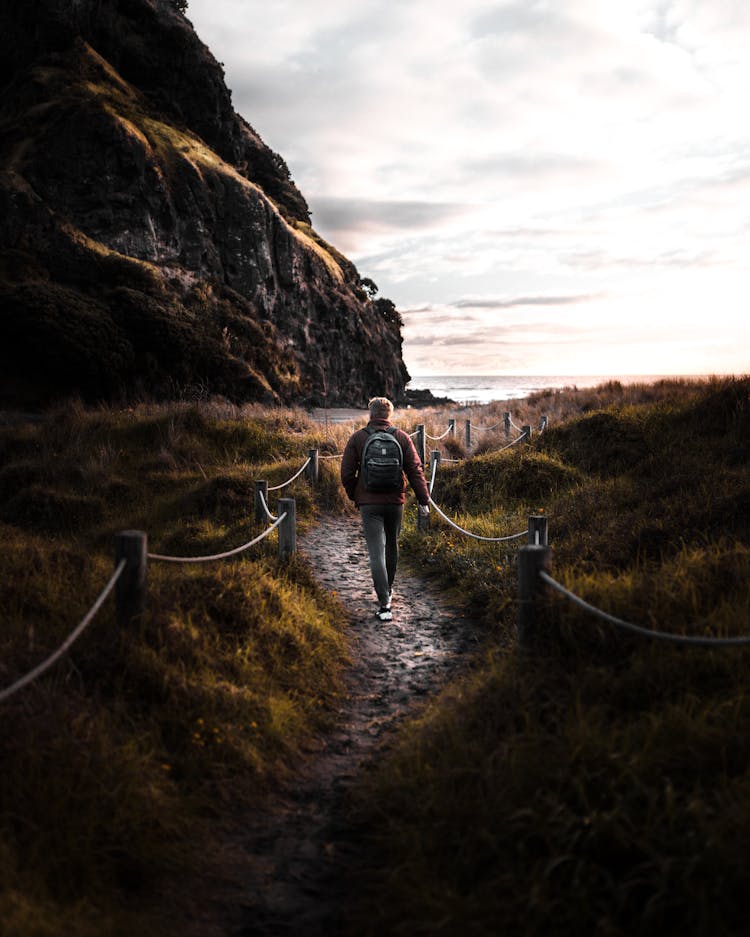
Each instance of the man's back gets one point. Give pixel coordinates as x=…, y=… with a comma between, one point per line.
x=351, y=463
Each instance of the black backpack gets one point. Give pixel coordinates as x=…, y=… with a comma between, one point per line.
x=382, y=464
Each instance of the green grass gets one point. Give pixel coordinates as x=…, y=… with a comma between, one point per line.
x=602, y=784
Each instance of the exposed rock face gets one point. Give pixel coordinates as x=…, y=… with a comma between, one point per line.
x=149, y=240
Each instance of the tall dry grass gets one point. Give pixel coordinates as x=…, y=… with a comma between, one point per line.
x=600, y=785
x=116, y=762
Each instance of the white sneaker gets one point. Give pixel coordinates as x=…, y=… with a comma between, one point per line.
x=384, y=613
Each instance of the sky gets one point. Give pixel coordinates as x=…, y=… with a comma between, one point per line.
x=541, y=186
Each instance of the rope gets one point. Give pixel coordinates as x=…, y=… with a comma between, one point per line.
x=522, y=436
x=468, y=533
x=514, y=425
x=73, y=636
x=485, y=429
x=434, y=474
x=638, y=629
x=415, y=433
x=217, y=556
x=271, y=517
x=443, y=459
x=339, y=456
x=437, y=438
x=297, y=475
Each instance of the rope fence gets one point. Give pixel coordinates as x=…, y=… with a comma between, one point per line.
x=220, y=556
x=435, y=462
x=525, y=431
x=485, y=429
x=468, y=533
x=264, y=504
x=522, y=436
x=451, y=429
x=70, y=640
x=293, y=478
x=535, y=583
x=131, y=563
x=128, y=580
x=423, y=522
x=700, y=640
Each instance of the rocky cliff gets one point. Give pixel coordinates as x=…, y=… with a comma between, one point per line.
x=150, y=242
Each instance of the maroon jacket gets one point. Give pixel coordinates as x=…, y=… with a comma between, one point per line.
x=350, y=464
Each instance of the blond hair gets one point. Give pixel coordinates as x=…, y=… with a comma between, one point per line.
x=380, y=408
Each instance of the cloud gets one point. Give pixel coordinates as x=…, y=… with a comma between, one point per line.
x=345, y=220
x=589, y=157
x=534, y=165
x=518, y=301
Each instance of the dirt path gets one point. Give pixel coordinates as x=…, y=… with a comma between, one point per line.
x=302, y=848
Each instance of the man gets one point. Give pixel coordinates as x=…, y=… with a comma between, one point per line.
x=380, y=503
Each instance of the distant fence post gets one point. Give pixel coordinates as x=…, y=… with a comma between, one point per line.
x=506, y=420
x=130, y=589
x=538, y=530
x=287, y=528
x=419, y=443
x=313, y=468
x=542, y=423
x=468, y=434
x=261, y=496
x=531, y=561
x=452, y=428
x=527, y=431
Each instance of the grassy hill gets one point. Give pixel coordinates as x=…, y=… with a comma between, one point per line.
x=600, y=785
x=597, y=785
x=118, y=763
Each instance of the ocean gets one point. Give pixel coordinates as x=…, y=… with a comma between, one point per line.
x=482, y=388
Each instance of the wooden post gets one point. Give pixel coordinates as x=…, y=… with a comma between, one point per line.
x=538, y=530
x=287, y=528
x=452, y=428
x=434, y=458
x=527, y=430
x=542, y=423
x=506, y=420
x=130, y=589
x=261, y=489
x=313, y=468
x=468, y=434
x=420, y=443
x=531, y=561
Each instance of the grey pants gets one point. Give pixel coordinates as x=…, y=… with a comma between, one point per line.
x=381, y=524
